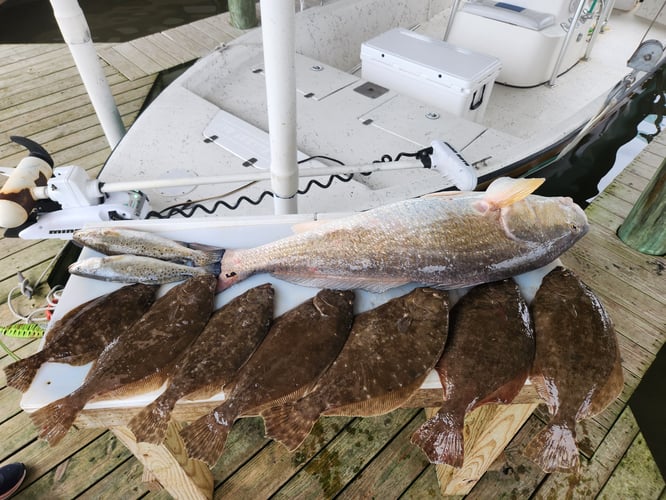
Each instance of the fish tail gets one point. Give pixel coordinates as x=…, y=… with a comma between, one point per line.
x=213, y=268
x=290, y=423
x=20, y=374
x=55, y=419
x=209, y=254
x=441, y=438
x=150, y=424
x=205, y=437
x=554, y=448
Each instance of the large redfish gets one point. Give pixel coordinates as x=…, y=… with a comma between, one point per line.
x=447, y=240
x=141, y=360
x=577, y=368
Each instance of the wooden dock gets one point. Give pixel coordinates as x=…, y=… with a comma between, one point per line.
x=42, y=97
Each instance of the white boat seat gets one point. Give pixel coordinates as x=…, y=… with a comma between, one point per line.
x=510, y=13
x=527, y=40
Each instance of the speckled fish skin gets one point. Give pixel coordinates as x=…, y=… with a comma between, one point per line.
x=139, y=361
x=577, y=367
x=119, y=241
x=82, y=333
x=231, y=335
x=299, y=347
x=487, y=359
x=137, y=269
x=389, y=353
x=447, y=240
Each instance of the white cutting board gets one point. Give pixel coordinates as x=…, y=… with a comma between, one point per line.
x=56, y=380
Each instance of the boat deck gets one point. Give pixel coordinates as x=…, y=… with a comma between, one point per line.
x=41, y=96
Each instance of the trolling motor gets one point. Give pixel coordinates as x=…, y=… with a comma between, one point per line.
x=79, y=199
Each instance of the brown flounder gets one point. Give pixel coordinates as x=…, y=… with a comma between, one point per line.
x=486, y=359
x=231, y=335
x=140, y=360
x=300, y=345
x=81, y=334
x=577, y=367
x=448, y=240
x=389, y=353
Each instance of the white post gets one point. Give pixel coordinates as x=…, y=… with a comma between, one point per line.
x=277, y=24
x=75, y=31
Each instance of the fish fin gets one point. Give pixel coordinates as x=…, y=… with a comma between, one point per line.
x=539, y=382
x=20, y=374
x=607, y=393
x=554, y=448
x=507, y=392
x=150, y=424
x=343, y=283
x=441, y=438
x=213, y=268
x=379, y=405
x=205, y=392
x=505, y=191
x=290, y=423
x=54, y=420
x=304, y=227
x=205, y=437
x=211, y=254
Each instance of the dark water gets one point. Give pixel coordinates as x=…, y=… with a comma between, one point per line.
x=32, y=21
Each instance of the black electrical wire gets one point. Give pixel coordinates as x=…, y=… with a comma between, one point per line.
x=188, y=209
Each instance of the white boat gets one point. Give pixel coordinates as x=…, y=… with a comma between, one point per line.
x=510, y=87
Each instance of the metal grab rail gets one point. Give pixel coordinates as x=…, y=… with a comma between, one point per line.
x=567, y=41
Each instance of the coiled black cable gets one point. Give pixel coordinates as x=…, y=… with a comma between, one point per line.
x=188, y=209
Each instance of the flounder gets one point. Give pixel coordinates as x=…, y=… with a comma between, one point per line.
x=447, y=240
x=389, y=353
x=231, y=335
x=82, y=333
x=140, y=360
x=577, y=367
x=300, y=345
x=486, y=359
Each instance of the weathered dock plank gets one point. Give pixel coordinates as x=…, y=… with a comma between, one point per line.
x=347, y=454
x=636, y=476
x=393, y=470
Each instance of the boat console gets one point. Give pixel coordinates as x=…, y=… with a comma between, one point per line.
x=533, y=39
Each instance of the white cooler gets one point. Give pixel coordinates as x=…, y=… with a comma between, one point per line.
x=433, y=71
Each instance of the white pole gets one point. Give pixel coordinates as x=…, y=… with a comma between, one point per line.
x=277, y=24
x=111, y=187
x=75, y=31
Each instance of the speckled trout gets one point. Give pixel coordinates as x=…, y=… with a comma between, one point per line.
x=446, y=240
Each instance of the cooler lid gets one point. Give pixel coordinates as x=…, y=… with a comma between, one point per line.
x=435, y=54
